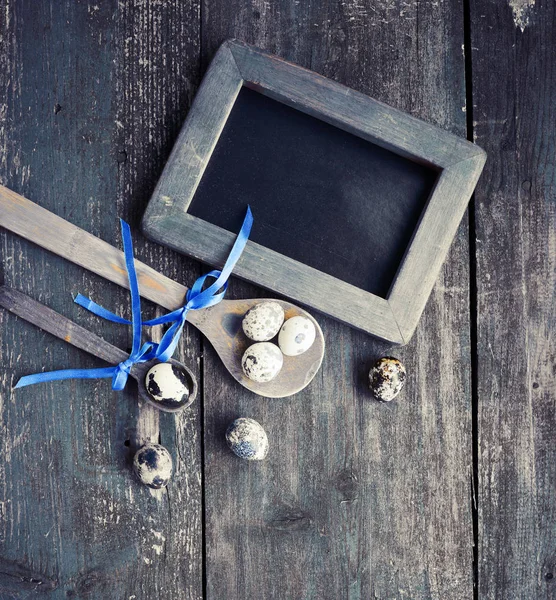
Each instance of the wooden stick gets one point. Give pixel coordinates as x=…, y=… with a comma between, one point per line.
x=29, y=220
x=49, y=320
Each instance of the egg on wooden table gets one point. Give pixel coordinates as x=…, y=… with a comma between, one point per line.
x=152, y=464
x=262, y=361
x=262, y=322
x=247, y=439
x=296, y=336
x=387, y=378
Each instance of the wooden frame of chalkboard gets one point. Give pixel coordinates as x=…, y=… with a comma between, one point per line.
x=458, y=164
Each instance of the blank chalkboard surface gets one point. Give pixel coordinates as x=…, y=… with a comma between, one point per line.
x=319, y=195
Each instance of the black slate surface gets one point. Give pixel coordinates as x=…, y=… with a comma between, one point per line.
x=320, y=195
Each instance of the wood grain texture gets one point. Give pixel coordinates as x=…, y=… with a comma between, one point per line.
x=514, y=116
x=61, y=327
x=91, y=95
x=356, y=499
x=52, y=232
x=197, y=139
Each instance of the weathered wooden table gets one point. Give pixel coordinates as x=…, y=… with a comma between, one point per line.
x=448, y=493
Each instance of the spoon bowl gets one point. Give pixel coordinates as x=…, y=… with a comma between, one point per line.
x=222, y=325
x=139, y=373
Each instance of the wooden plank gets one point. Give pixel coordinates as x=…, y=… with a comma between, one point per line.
x=356, y=499
x=196, y=141
x=52, y=232
x=514, y=115
x=92, y=95
x=59, y=326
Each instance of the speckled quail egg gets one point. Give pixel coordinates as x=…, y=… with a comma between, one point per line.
x=387, y=378
x=262, y=322
x=247, y=439
x=262, y=361
x=152, y=464
x=296, y=336
x=168, y=385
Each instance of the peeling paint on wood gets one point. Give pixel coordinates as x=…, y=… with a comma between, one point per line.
x=522, y=11
x=353, y=492
x=514, y=84
x=17, y=578
x=356, y=499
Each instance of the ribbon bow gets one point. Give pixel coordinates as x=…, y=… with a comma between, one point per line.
x=195, y=298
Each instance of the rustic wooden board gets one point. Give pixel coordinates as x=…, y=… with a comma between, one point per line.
x=91, y=97
x=356, y=499
x=514, y=116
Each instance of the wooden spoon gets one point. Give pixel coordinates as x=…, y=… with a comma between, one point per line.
x=49, y=320
x=221, y=324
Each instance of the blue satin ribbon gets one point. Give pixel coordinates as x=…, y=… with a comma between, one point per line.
x=195, y=298
x=139, y=353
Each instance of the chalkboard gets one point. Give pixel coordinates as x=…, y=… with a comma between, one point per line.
x=319, y=195
x=355, y=203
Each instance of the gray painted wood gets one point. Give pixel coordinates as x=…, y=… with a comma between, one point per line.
x=92, y=95
x=356, y=499
x=514, y=86
x=196, y=141
x=236, y=64
x=63, y=328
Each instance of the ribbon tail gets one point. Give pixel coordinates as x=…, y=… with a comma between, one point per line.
x=99, y=311
x=65, y=374
x=167, y=318
x=233, y=257
x=136, y=321
x=169, y=342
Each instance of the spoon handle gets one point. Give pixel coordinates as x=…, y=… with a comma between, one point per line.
x=49, y=320
x=34, y=223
